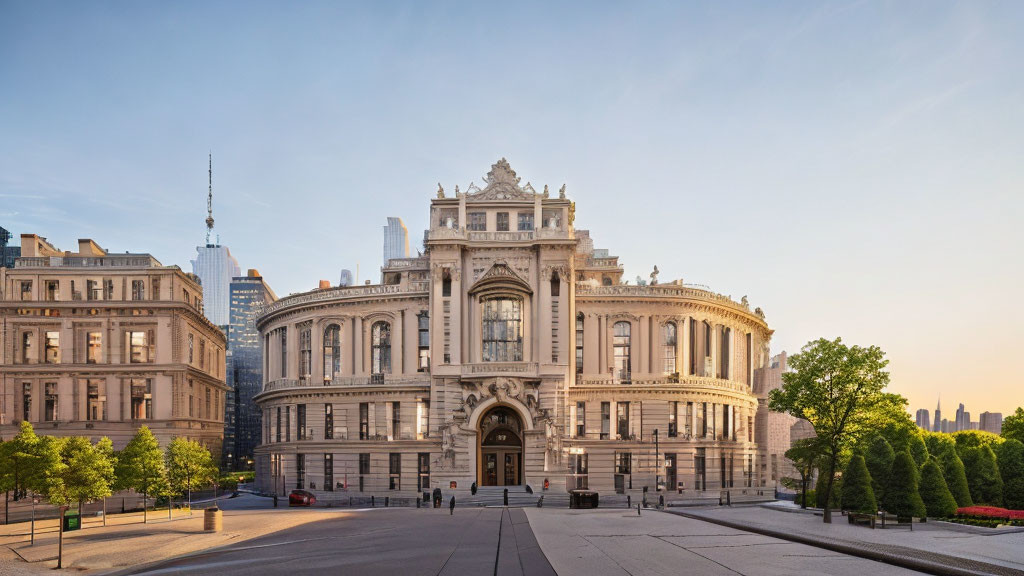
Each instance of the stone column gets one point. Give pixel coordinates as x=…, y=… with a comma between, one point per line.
x=602, y=344
x=543, y=335
x=643, y=363
x=455, y=346
x=398, y=344
x=357, y=346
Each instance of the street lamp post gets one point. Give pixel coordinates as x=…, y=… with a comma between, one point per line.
x=657, y=462
x=32, y=539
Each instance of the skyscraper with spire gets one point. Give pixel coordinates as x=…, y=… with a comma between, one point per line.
x=215, y=267
x=937, y=422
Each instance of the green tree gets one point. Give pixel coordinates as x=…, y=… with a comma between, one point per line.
x=938, y=500
x=140, y=467
x=84, y=472
x=819, y=490
x=25, y=460
x=974, y=439
x=878, y=458
x=803, y=453
x=939, y=444
x=901, y=495
x=1013, y=426
x=857, y=495
x=983, y=475
x=918, y=449
x=956, y=479
x=839, y=389
x=1011, y=469
x=189, y=466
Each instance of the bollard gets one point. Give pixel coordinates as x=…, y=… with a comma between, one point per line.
x=728, y=498
x=506, y=496
x=417, y=501
x=638, y=509
x=349, y=501
x=212, y=519
x=373, y=502
x=387, y=501
x=629, y=503
x=451, y=506
x=661, y=500
x=275, y=500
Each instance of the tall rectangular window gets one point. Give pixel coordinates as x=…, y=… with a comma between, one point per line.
x=51, y=342
x=108, y=289
x=622, y=419
x=687, y=419
x=724, y=352
x=329, y=472
x=669, y=348
x=693, y=347
x=700, y=469
x=394, y=471
x=422, y=419
x=579, y=343
x=423, y=331
x=202, y=353
x=92, y=290
x=138, y=290
x=747, y=359
x=26, y=401
x=726, y=425
x=364, y=469
x=305, y=352
x=606, y=420
x=141, y=398
x=300, y=471
x=673, y=426
x=26, y=290
x=154, y=289
x=50, y=407
x=581, y=419
x=94, y=350
x=28, y=354
x=52, y=290
x=208, y=414
x=300, y=421
x=702, y=420
x=328, y=421
x=277, y=430
x=423, y=466
x=139, y=347
x=621, y=343
x=364, y=421
x=396, y=420
x=96, y=400
x=284, y=353
x=502, y=221
x=476, y=221
x=525, y=221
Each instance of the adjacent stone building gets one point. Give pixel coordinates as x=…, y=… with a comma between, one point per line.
x=97, y=344
x=510, y=353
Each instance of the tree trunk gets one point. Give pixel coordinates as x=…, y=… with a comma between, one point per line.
x=7, y=507
x=803, y=490
x=828, y=490
x=144, y=516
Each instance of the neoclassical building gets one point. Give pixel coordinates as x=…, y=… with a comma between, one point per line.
x=511, y=352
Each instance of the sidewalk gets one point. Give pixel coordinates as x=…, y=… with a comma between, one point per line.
x=929, y=547
x=127, y=542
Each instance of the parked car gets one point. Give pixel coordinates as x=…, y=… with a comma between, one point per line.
x=301, y=498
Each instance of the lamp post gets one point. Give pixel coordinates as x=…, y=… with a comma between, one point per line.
x=657, y=462
x=32, y=539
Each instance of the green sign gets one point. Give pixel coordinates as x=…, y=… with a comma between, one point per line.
x=72, y=521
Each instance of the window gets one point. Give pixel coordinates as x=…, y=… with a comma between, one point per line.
x=191, y=401
x=191, y=347
x=287, y=423
x=300, y=421
x=364, y=421
x=329, y=472
x=202, y=353
x=141, y=399
x=284, y=352
x=26, y=289
x=208, y=413
x=364, y=469
x=52, y=290
x=50, y=412
x=26, y=401
x=724, y=352
x=92, y=290
x=673, y=426
x=693, y=347
x=579, y=343
x=154, y=289
x=581, y=419
x=423, y=325
x=332, y=352
x=277, y=434
x=446, y=285
x=477, y=221
x=746, y=360
x=525, y=221
x=138, y=290
x=394, y=471
x=380, y=360
x=702, y=420
x=621, y=344
x=94, y=349
x=725, y=474
x=502, y=221
x=700, y=469
x=396, y=420
x=622, y=420
x=502, y=330
x=185, y=296
x=423, y=467
x=96, y=400
x=300, y=471
x=687, y=419
x=328, y=421
x=422, y=419
x=51, y=343
x=623, y=463
x=139, y=346
x=305, y=351
x=27, y=345
x=726, y=434
x=108, y=289
x=606, y=420
x=707, y=350
x=669, y=337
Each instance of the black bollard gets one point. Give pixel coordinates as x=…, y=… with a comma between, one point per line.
x=275, y=500
x=637, y=509
x=506, y=496
x=629, y=503
x=373, y=502
x=661, y=500
x=451, y=506
x=417, y=501
x=387, y=501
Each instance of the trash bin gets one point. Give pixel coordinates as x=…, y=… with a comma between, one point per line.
x=72, y=521
x=583, y=499
x=212, y=519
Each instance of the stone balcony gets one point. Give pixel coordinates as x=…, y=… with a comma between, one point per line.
x=444, y=233
x=373, y=380
x=687, y=382
x=488, y=369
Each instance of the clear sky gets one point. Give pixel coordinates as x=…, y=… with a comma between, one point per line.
x=856, y=169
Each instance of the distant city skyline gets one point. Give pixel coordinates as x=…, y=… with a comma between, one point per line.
x=860, y=161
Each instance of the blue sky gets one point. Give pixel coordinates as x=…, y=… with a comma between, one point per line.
x=854, y=168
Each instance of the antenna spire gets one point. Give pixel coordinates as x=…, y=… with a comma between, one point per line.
x=209, y=203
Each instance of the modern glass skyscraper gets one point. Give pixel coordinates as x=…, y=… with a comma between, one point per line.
x=249, y=295
x=215, y=267
x=396, y=240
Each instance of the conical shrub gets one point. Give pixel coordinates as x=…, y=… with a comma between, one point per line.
x=918, y=450
x=878, y=458
x=857, y=495
x=983, y=476
x=901, y=495
x=938, y=500
x=956, y=479
x=1011, y=468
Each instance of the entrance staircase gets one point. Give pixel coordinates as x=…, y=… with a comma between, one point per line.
x=518, y=497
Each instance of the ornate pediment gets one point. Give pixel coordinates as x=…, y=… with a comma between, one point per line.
x=501, y=184
x=500, y=276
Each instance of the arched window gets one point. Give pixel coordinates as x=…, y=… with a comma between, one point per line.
x=503, y=330
x=621, y=343
x=579, y=343
x=669, y=338
x=380, y=361
x=332, y=352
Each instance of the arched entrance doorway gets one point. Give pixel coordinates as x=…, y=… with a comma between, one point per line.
x=501, y=448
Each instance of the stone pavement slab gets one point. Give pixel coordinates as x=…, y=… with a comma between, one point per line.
x=606, y=542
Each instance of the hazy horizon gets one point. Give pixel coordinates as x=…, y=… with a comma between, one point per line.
x=853, y=168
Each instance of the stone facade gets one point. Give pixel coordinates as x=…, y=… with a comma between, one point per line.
x=97, y=344
x=508, y=354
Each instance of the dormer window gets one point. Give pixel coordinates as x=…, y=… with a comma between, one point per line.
x=502, y=221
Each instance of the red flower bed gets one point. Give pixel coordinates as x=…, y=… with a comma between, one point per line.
x=990, y=512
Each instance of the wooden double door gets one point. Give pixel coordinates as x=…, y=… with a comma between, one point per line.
x=502, y=467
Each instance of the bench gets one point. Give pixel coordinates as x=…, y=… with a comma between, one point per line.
x=891, y=521
x=862, y=519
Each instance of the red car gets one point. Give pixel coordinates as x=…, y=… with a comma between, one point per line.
x=301, y=498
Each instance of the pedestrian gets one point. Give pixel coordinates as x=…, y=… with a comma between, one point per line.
x=451, y=506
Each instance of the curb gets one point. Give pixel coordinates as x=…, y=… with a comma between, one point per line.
x=893, y=560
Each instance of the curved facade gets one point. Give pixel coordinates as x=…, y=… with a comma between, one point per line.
x=510, y=353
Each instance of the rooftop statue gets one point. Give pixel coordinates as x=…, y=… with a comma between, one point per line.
x=561, y=192
x=440, y=191
x=654, y=276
